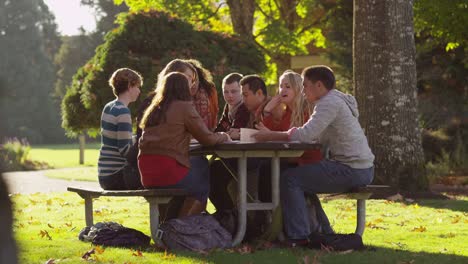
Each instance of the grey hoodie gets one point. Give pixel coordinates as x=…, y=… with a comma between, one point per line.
x=334, y=123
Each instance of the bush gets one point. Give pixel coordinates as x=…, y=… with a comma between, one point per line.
x=146, y=42
x=14, y=156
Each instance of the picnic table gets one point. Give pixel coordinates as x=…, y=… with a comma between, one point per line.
x=243, y=151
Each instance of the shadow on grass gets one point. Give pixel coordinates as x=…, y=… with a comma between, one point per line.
x=371, y=255
x=454, y=205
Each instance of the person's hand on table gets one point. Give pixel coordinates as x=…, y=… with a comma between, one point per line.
x=228, y=138
x=234, y=133
x=263, y=133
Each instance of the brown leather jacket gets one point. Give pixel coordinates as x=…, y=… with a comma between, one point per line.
x=172, y=138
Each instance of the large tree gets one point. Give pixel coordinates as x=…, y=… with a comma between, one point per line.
x=28, y=40
x=385, y=87
x=281, y=29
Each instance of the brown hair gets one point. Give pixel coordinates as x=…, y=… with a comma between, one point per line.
x=123, y=78
x=205, y=80
x=320, y=73
x=231, y=78
x=176, y=65
x=174, y=86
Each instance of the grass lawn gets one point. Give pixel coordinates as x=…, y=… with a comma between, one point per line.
x=47, y=225
x=65, y=155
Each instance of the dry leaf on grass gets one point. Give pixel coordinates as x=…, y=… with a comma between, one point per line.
x=137, y=253
x=44, y=233
x=419, y=229
x=88, y=254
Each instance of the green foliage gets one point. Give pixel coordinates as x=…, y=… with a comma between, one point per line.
x=146, y=42
x=14, y=153
x=444, y=21
x=28, y=40
x=14, y=156
x=281, y=28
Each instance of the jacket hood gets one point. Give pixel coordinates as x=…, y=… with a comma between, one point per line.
x=349, y=100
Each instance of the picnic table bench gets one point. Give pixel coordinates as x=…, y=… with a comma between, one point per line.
x=360, y=194
x=155, y=197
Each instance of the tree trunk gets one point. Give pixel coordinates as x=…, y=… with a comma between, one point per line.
x=283, y=63
x=385, y=87
x=242, y=17
x=81, y=139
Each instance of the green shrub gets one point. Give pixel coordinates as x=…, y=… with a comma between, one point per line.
x=14, y=155
x=146, y=42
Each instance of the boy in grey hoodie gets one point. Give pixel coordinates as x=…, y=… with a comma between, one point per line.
x=334, y=122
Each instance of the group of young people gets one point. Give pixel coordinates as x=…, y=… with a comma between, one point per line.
x=184, y=105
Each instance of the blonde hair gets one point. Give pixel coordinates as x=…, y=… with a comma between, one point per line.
x=122, y=78
x=300, y=106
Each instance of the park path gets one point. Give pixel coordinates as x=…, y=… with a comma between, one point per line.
x=26, y=182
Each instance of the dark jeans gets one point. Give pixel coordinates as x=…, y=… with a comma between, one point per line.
x=325, y=176
x=127, y=178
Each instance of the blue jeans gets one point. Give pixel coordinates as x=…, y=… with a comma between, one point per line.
x=323, y=177
x=197, y=181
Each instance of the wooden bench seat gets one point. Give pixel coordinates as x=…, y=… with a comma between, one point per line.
x=360, y=194
x=155, y=197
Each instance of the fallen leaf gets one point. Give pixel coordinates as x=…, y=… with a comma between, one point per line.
x=456, y=219
x=49, y=225
x=449, y=235
x=88, y=254
x=169, y=255
x=44, y=233
x=99, y=249
x=137, y=253
x=419, y=229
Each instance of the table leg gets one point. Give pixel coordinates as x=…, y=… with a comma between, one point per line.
x=275, y=179
x=242, y=199
x=361, y=216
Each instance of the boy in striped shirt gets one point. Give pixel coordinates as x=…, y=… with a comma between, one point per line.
x=116, y=133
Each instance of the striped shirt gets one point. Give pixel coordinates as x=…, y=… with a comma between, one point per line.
x=116, y=138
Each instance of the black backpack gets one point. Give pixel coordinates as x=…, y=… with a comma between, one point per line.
x=114, y=234
x=337, y=242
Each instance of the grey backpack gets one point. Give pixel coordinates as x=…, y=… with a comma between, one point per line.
x=195, y=233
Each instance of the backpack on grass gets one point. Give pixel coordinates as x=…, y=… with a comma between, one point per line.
x=114, y=234
x=195, y=233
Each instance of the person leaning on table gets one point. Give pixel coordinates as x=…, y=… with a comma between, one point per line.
x=334, y=122
x=168, y=125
